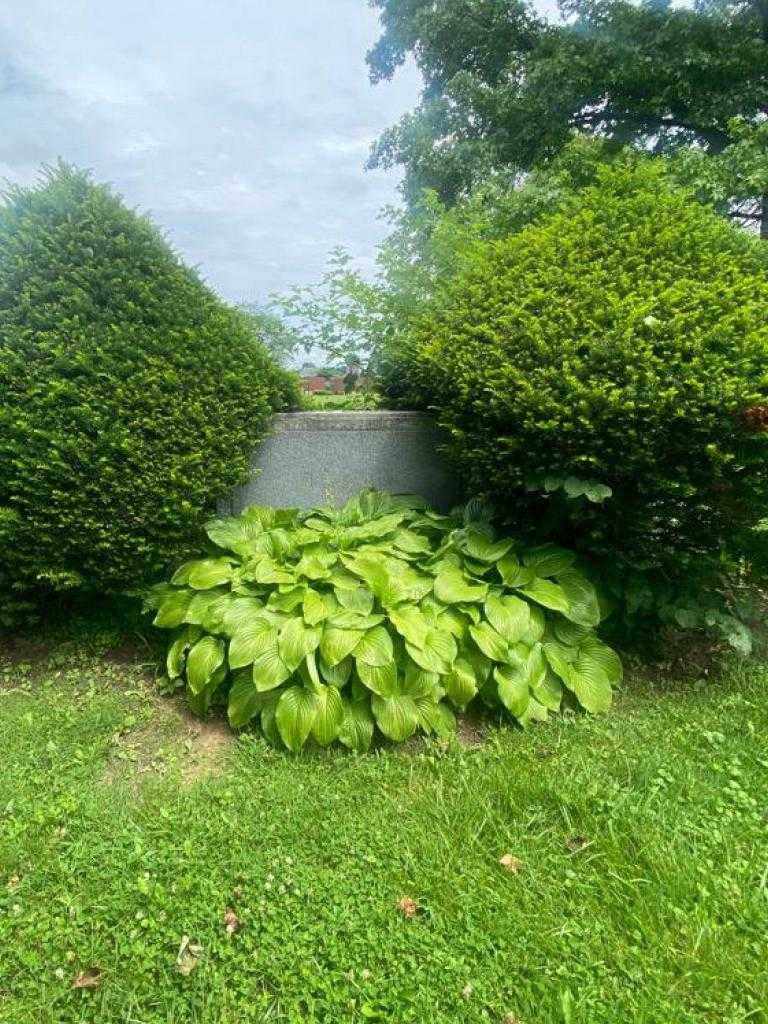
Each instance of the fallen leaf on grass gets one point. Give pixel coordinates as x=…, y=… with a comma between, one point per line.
x=408, y=907
x=511, y=863
x=576, y=843
x=89, y=978
x=188, y=957
x=231, y=921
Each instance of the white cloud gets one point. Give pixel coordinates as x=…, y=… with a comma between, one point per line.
x=243, y=126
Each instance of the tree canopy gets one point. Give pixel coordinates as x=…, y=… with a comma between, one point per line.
x=506, y=88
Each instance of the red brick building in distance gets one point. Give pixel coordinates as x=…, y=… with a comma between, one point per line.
x=319, y=384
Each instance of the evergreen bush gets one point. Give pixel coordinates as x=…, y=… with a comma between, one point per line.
x=132, y=396
x=617, y=347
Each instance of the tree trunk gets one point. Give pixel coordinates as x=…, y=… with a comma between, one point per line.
x=764, y=217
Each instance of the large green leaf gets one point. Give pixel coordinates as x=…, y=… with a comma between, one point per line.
x=535, y=712
x=181, y=577
x=376, y=529
x=435, y=717
x=177, y=654
x=411, y=542
x=381, y=679
x=206, y=606
x=329, y=715
x=356, y=731
x=560, y=657
x=451, y=585
x=478, y=546
x=236, y=533
x=460, y=683
x=514, y=691
x=314, y=608
x=269, y=571
x=205, y=657
x=354, y=620
x=173, y=608
x=337, y=644
x=252, y=640
x=296, y=641
x=491, y=643
x=537, y=627
x=245, y=701
x=268, y=720
x=417, y=682
x=549, y=560
x=397, y=716
x=269, y=669
x=375, y=648
x=453, y=622
x=583, y=604
x=436, y=654
x=409, y=621
x=549, y=691
x=240, y=612
x=359, y=599
x=210, y=572
x=336, y=675
x=313, y=567
x=391, y=581
x=570, y=633
x=514, y=574
x=510, y=616
x=200, y=703
x=590, y=684
x=341, y=579
x=548, y=594
x=287, y=600
x=604, y=656
x=295, y=716
x=213, y=616
x=481, y=665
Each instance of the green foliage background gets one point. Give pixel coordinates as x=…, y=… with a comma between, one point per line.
x=619, y=341
x=131, y=395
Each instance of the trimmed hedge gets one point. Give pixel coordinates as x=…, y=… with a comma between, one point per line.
x=620, y=344
x=132, y=396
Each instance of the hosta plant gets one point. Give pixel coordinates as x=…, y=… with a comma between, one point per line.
x=332, y=623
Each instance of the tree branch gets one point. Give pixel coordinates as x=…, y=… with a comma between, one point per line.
x=716, y=137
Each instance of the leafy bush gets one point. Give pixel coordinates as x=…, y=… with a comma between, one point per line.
x=131, y=395
x=355, y=401
x=381, y=614
x=619, y=346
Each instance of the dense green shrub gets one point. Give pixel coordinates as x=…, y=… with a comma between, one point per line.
x=131, y=395
x=616, y=348
x=330, y=623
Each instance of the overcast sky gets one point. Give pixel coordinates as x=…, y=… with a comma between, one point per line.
x=242, y=126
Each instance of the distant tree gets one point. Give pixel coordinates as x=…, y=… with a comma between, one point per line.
x=338, y=316
x=505, y=88
x=272, y=331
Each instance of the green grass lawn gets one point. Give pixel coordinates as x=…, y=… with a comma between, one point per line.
x=642, y=894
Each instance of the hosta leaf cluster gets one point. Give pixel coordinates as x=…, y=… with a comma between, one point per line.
x=382, y=615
